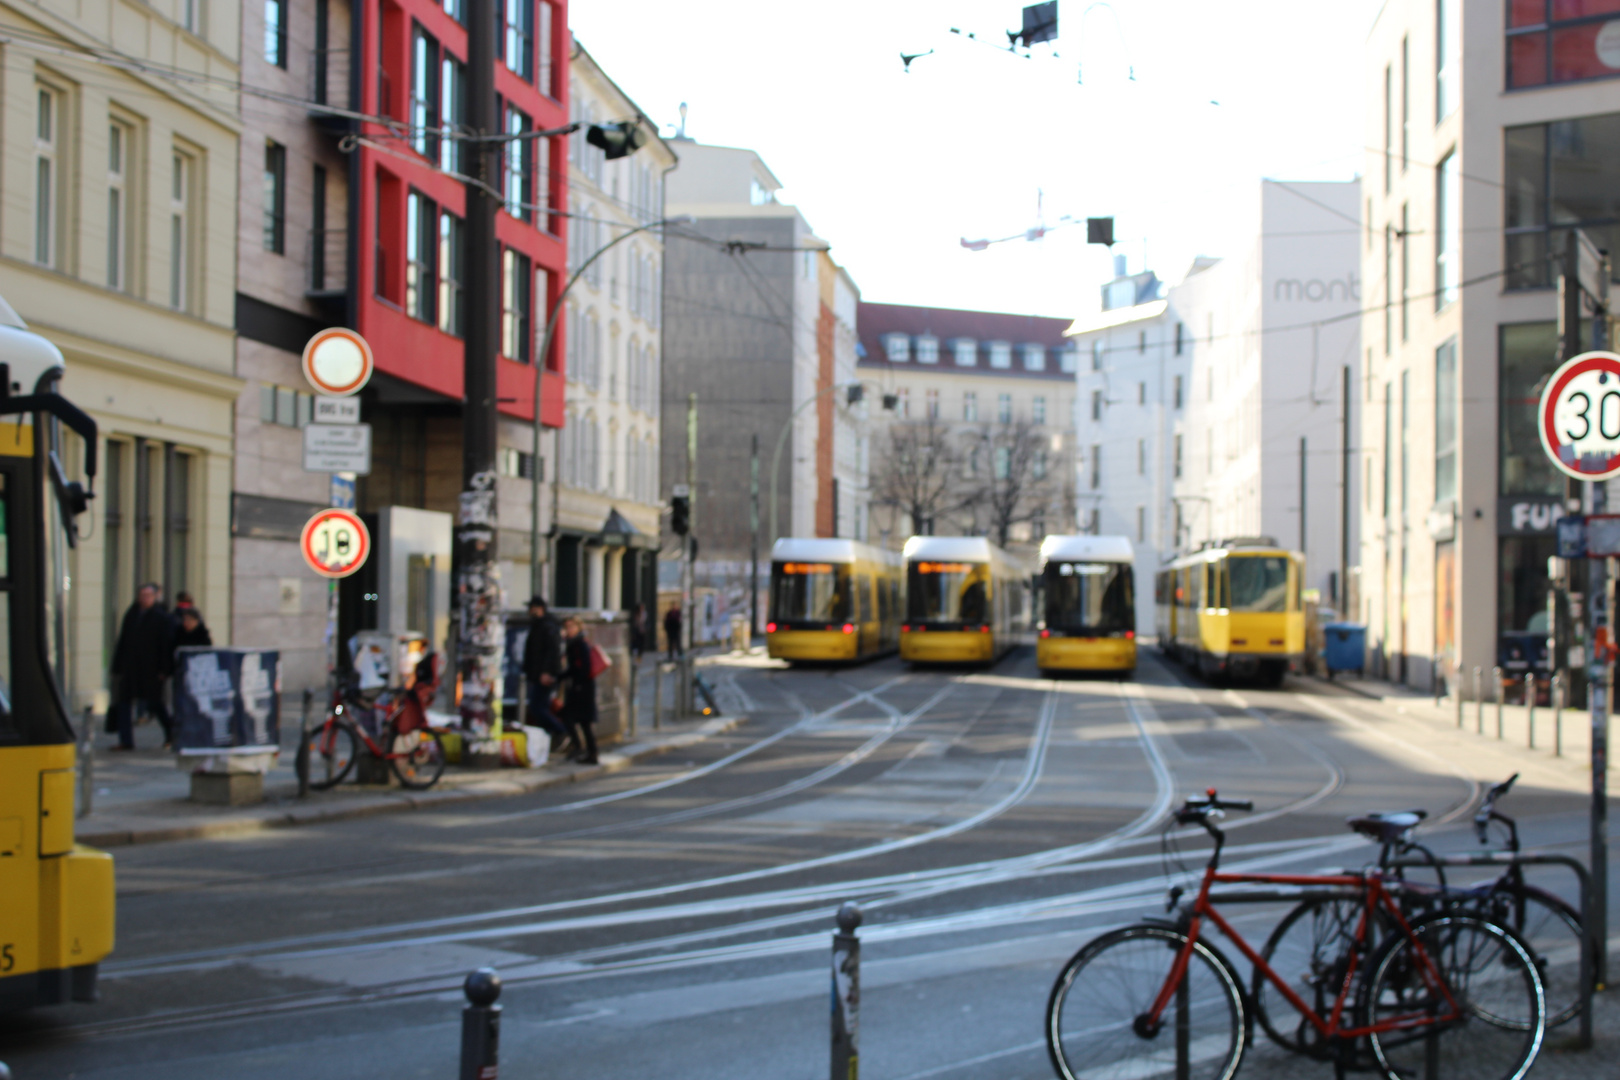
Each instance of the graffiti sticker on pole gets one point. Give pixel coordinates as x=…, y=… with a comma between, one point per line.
x=335, y=543
x=1580, y=416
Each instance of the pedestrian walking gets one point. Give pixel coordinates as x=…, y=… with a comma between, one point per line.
x=640, y=631
x=542, y=668
x=672, y=630
x=579, y=693
x=193, y=632
x=143, y=658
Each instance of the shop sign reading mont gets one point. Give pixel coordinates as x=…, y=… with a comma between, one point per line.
x=335, y=542
x=1579, y=418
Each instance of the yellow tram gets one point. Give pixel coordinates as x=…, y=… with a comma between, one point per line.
x=1233, y=610
x=56, y=898
x=832, y=600
x=1088, y=604
x=967, y=601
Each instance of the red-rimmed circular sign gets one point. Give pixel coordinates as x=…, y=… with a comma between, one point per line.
x=335, y=543
x=1580, y=416
x=337, y=361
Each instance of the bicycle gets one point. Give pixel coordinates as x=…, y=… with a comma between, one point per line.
x=1451, y=996
x=412, y=749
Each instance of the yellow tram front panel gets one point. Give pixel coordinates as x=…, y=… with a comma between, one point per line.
x=1268, y=633
x=812, y=644
x=947, y=646
x=1085, y=654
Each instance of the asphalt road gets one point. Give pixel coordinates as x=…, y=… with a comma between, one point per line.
x=673, y=919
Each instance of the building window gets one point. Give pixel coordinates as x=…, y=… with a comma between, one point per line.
x=1389, y=127
x=452, y=110
x=932, y=400
x=1002, y=462
x=519, y=181
x=1406, y=102
x=1406, y=270
x=1141, y=524
x=905, y=402
x=1406, y=442
x=1560, y=175
x=1000, y=355
x=275, y=32
x=1389, y=289
x=1557, y=41
x=1445, y=422
x=1069, y=359
x=1178, y=456
x=927, y=350
x=1447, y=227
x=515, y=463
x=46, y=176
x=518, y=48
x=1096, y=404
x=965, y=351
x=1037, y=469
x=1141, y=341
x=1034, y=358
x=275, y=198
x=425, y=99
x=1389, y=450
x=1528, y=354
x=118, y=231
x=1096, y=466
x=457, y=10
x=548, y=68
x=421, y=254
x=970, y=406
x=1180, y=334
x=180, y=185
x=451, y=304
x=1037, y=410
x=1448, y=56
x=1177, y=391
x=285, y=406
x=515, y=282
x=1141, y=457
x=897, y=347
x=1096, y=354
x=1004, y=408
x=1141, y=393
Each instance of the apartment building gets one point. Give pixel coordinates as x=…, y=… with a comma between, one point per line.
x=760, y=323
x=352, y=215
x=117, y=242
x=1492, y=130
x=607, y=477
x=990, y=396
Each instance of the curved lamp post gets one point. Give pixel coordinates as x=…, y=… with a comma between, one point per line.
x=540, y=359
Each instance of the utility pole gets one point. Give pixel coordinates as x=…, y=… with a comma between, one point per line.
x=683, y=695
x=753, y=525
x=1302, y=480
x=479, y=628
x=1342, y=601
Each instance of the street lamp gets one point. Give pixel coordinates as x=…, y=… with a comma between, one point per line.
x=540, y=359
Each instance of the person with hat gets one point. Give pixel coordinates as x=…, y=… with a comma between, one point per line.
x=542, y=668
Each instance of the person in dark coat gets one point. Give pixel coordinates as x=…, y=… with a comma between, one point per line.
x=579, y=695
x=142, y=661
x=672, y=631
x=640, y=633
x=193, y=631
x=542, y=668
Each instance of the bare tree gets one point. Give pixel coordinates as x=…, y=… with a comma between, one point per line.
x=917, y=470
x=1018, y=483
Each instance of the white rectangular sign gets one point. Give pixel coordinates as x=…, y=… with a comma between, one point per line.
x=337, y=410
x=337, y=448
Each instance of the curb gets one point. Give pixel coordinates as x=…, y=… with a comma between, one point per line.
x=494, y=787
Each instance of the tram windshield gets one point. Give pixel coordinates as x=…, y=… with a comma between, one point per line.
x=1090, y=597
x=1258, y=582
x=804, y=592
x=948, y=592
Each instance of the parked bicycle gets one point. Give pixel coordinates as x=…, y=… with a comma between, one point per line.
x=412, y=748
x=1452, y=995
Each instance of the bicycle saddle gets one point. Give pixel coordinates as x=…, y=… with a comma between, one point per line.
x=1387, y=828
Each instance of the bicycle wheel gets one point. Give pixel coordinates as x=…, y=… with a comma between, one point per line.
x=1495, y=1029
x=417, y=757
x=1552, y=929
x=1095, y=1018
x=330, y=751
x=1309, y=950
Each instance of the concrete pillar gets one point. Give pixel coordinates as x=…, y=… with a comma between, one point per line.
x=595, y=565
x=613, y=579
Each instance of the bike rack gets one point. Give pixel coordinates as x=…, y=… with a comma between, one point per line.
x=1591, y=958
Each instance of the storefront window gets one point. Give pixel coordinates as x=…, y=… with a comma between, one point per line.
x=1529, y=354
x=1521, y=590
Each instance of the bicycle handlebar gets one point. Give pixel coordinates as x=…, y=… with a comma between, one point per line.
x=1488, y=812
x=1197, y=808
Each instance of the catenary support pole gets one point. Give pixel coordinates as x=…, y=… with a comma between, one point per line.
x=1598, y=672
x=846, y=995
x=683, y=680
x=1496, y=677
x=481, y=1026
x=1558, y=715
x=753, y=527
x=1345, y=503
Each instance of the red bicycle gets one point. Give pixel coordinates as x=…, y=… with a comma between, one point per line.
x=411, y=747
x=1448, y=996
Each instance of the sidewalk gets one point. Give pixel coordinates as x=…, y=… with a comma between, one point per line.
x=141, y=796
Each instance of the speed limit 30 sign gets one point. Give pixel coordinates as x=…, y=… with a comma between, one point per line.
x=335, y=543
x=1580, y=416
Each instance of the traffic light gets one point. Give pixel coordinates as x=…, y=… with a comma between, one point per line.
x=854, y=395
x=680, y=514
x=616, y=140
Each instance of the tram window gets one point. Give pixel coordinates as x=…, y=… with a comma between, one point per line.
x=948, y=592
x=1090, y=597
x=1259, y=582
x=810, y=592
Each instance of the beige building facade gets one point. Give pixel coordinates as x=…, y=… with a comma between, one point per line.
x=117, y=242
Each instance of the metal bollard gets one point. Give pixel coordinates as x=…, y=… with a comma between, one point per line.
x=301, y=761
x=1558, y=715
x=1496, y=677
x=1479, y=700
x=1530, y=708
x=481, y=1026
x=846, y=995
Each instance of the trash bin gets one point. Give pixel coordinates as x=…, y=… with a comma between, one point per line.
x=1344, y=647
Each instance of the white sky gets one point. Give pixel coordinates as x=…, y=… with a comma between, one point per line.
x=894, y=169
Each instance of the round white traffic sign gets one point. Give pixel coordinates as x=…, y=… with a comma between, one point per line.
x=335, y=543
x=337, y=361
x=1579, y=418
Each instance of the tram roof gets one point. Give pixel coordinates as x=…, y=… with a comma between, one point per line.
x=828, y=549
x=1091, y=548
x=961, y=548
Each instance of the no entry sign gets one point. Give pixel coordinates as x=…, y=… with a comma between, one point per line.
x=1580, y=416
x=337, y=362
x=335, y=543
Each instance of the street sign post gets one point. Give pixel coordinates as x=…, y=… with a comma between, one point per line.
x=337, y=361
x=334, y=448
x=335, y=542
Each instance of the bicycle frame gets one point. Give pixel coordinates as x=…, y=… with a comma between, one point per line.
x=1370, y=886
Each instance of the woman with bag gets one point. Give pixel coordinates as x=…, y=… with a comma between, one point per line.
x=585, y=662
